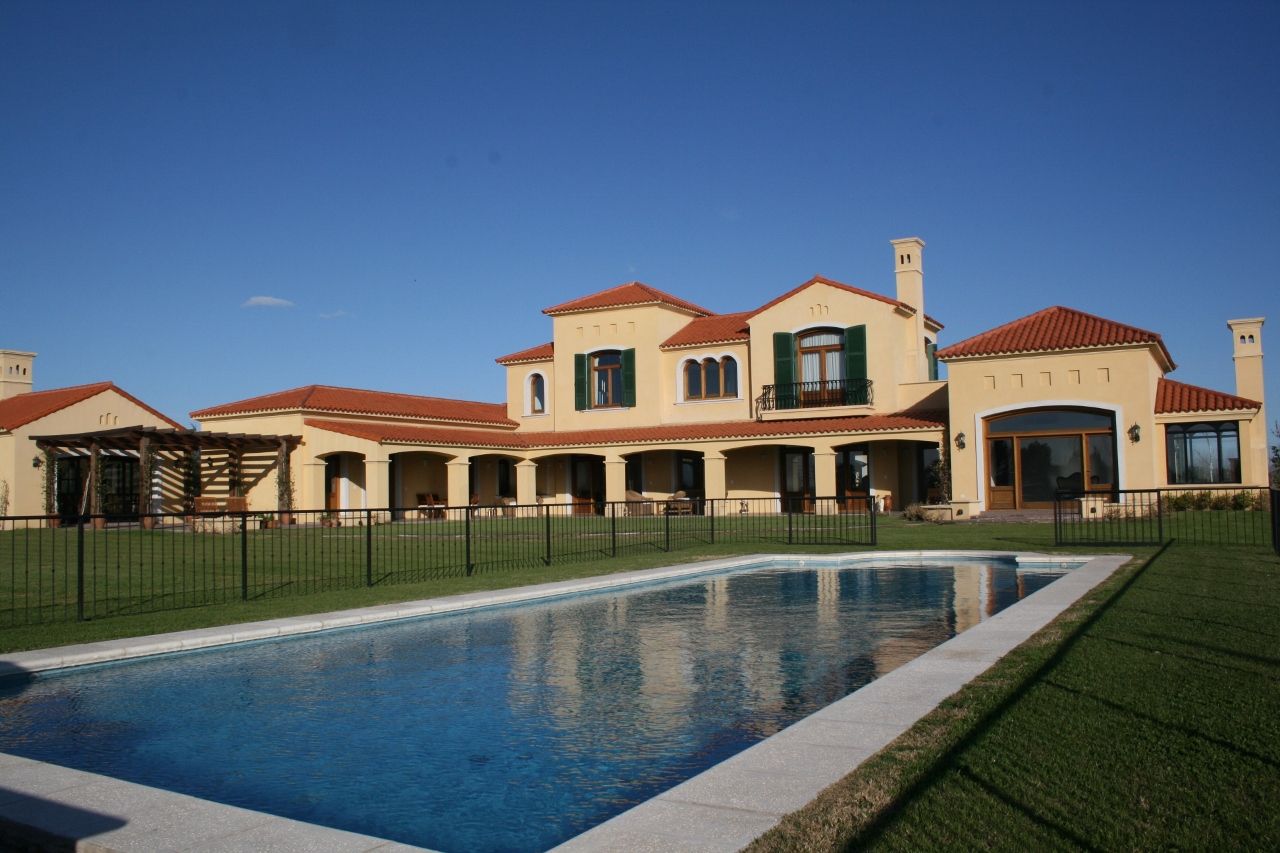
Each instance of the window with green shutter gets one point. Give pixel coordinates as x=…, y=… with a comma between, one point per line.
x=855, y=365
x=784, y=370
x=931, y=352
x=629, y=378
x=580, y=383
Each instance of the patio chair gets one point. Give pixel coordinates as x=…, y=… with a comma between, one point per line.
x=679, y=504
x=638, y=504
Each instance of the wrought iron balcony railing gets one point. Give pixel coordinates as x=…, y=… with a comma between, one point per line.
x=815, y=395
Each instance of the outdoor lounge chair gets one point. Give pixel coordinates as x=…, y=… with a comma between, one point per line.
x=638, y=504
x=679, y=504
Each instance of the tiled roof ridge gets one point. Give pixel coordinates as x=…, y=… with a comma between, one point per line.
x=57, y=399
x=300, y=398
x=653, y=294
x=541, y=352
x=830, y=282
x=1174, y=397
x=990, y=342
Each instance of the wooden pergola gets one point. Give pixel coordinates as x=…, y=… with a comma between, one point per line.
x=146, y=441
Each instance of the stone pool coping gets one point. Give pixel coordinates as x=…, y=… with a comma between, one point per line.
x=723, y=808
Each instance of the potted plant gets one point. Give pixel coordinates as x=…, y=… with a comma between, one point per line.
x=329, y=519
x=267, y=521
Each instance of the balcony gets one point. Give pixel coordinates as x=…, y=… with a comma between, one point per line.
x=815, y=395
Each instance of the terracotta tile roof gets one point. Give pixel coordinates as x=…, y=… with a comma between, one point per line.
x=404, y=434
x=326, y=398
x=32, y=406
x=1175, y=397
x=1055, y=328
x=631, y=293
x=542, y=352
x=397, y=433
x=817, y=279
x=716, y=329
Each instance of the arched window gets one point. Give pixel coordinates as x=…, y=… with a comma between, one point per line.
x=821, y=356
x=537, y=394
x=711, y=379
x=1203, y=453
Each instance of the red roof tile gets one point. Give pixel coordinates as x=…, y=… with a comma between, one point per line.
x=397, y=433
x=1175, y=397
x=542, y=352
x=32, y=406
x=631, y=293
x=716, y=329
x=1055, y=328
x=326, y=398
x=817, y=279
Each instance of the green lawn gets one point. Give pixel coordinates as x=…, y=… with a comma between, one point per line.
x=1147, y=717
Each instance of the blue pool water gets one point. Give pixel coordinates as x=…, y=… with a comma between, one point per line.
x=509, y=728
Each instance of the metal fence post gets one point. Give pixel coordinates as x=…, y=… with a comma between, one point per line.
x=613, y=529
x=790, y=516
x=368, y=547
x=467, y=529
x=871, y=511
x=546, y=519
x=80, y=569
x=244, y=556
x=711, y=510
x=1160, y=517
x=666, y=524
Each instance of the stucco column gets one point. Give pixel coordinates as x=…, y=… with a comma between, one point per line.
x=376, y=483
x=615, y=478
x=312, y=496
x=824, y=479
x=458, y=471
x=527, y=482
x=713, y=479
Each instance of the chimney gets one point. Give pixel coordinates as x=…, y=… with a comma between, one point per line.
x=15, y=372
x=908, y=272
x=1246, y=342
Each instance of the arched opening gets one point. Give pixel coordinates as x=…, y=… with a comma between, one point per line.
x=1034, y=453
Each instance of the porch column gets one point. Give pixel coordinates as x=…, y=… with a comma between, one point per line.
x=615, y=478
x=145, y=475
x=313, y=494
x=376, y=482
x=713, y=479
x=458, y=473
x=526, y=482
x=95, y=499
x=284, y=479
x=824, y=478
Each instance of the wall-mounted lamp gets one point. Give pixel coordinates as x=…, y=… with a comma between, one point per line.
x=1135, y=433
x=959, y=441
x=37, y=461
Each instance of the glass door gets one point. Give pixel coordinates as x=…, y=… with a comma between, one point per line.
x=1049, y=463
x=797, y=479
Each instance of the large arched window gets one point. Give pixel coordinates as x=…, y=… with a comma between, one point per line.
x=711, y=379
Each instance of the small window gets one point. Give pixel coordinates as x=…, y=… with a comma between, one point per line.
x=537, y=394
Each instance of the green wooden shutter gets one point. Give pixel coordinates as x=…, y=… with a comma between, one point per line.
x=784, y=370
x=855, y=365
x=931, y=352
x=629, y=378
x=581, y=387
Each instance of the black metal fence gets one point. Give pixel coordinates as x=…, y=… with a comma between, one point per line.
x=52, y=571
x=1212, y=515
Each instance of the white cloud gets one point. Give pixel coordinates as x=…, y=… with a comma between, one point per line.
x=266, y=302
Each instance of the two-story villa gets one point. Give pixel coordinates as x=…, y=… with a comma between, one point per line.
x=827, y=390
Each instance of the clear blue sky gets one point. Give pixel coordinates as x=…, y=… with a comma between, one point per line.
x=420, y=179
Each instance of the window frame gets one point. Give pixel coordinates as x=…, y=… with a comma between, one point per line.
x=530, y=409
x=1217, y=429
x=613, y=384
x=705, y=366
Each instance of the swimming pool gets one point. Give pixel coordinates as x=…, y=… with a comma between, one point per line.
x=508, y=728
